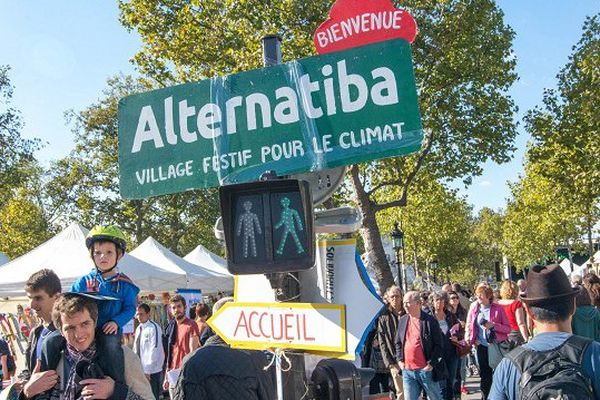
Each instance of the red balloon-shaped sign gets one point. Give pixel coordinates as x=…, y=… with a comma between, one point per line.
x=354, y=23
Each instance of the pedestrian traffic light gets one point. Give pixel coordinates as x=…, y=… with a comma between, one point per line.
x=268, y=226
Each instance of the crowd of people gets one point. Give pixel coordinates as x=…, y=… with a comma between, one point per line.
x=77, y=351
x=423, y=342
x=535, y=337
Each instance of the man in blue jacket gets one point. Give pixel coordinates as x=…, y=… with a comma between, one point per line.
x=550, y=303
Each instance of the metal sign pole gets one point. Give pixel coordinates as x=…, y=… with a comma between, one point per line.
x=278, y=374
x=288, y=286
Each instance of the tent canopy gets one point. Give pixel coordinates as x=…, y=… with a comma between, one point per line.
x=3, y=258
x=202, y=257
x=68, y=257
x=566, y=266
x=159, y=256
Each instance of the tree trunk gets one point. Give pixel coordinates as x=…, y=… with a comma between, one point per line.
x=569, y=254
x=139, y=219
x=371, y=234
x=588, y=228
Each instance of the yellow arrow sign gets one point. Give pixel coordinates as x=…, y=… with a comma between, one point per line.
x=306, y=326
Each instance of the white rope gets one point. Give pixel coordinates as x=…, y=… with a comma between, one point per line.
x=279, y=353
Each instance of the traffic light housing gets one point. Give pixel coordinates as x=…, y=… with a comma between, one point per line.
x=268, y=226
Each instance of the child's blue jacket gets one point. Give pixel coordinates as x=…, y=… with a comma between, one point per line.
x=120, y=286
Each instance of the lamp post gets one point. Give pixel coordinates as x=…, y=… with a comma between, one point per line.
x=398, y=245
x=434, y=265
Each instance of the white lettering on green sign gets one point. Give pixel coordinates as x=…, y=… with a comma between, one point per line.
x=208, y=120
x=320, y=112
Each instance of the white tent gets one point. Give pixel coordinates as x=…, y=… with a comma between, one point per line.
x=202, y=257
x=595, y=259
x=207, y=281
x=67, y=255
x=566, y=266
x=3, y=258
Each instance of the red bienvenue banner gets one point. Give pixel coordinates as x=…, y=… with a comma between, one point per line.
x=354, y=23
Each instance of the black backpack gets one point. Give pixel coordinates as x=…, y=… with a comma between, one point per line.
x=553, y=374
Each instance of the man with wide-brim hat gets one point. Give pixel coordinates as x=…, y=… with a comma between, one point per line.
x=550, y=303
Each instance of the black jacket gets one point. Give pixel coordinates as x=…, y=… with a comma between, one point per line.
x=218, y=372
x=30, y=354
x=387, y=326
x=169, y=339
x=451, y=320
x=431, y=340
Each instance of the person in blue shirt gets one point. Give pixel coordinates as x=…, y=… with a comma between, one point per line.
x=116, y=297
x=550, y=303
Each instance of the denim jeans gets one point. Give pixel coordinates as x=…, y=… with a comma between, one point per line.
x=110, y=355
x=447, y=385
x=416, y=381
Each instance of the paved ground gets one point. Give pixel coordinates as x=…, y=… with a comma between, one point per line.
x=473, y=386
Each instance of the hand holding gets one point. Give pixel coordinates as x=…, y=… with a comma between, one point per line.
x=97, y=388
x=110, y=328
x=40, y=381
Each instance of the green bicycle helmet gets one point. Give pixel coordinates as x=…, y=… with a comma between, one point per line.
x=106, y=233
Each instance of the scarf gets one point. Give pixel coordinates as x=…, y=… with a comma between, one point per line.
x=73, y=356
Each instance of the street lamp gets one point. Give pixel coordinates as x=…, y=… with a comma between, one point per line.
x=434, y=265
x=398, y=245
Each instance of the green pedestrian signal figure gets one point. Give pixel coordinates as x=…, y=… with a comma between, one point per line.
x=289, y=220
x=248, y=221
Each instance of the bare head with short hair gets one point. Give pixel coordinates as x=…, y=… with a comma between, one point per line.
x=70, y=304
x=202, y=310
x=46, y=280
x=177, y=298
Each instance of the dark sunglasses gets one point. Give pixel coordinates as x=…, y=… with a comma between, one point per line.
x=453, y=297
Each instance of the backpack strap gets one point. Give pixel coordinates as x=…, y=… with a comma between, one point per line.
x=524, y=359
x=573, y=348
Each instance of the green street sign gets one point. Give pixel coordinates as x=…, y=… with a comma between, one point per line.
x=319, y=112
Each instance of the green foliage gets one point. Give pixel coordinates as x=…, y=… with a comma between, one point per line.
x=15, y=152
x=23, y=225
x=563, y=154
x=538, y=218
x=186, y=40
x=438, y=225
x=86, y=187
x=463, y=67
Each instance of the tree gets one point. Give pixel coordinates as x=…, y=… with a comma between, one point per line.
x=538, y=218
x=463, y=66
x=488, y=234
x=463, y=76
x=437, y=225
x=565, y=130
x=22, y=225
x=86, y=185
x=15, y=152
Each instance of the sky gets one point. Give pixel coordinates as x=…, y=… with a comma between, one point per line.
x=62, y=53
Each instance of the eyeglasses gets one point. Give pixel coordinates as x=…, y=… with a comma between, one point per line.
x=453, y=297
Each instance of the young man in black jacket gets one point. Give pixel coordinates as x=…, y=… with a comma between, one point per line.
x=218, y=372
x=387, y=326
x=42, y=288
